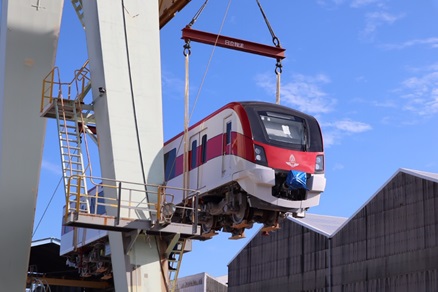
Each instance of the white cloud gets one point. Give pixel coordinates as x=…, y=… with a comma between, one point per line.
x=330, y=138
x=361, y=79
x=361, y=3
x=51, y=167
x=353, y=3
x=421, y=94
x=330, y=2
x=385, y=103
x=303, y=92
x=432, y=67
x=350, y=126
x=431, y=42
x=376, y=19
x=338, y=166
x=386, y=120
x=334, y=132
x=172, y=86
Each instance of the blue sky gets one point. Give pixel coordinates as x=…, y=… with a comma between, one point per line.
x=367, y=69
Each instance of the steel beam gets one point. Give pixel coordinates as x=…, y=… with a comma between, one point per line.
x=71, y=283
x=103, y=222
x=168, y=9
x=232, y=43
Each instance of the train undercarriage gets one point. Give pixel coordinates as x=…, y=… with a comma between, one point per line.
x=231, y=209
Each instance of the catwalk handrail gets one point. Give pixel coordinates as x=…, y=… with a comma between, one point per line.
x=125, y=196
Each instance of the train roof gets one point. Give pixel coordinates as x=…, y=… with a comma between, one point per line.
x=273, y=106
x=241, y=106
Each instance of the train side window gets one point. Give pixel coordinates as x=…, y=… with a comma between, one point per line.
x=228, y=133
x=204, y=149
x=194, y=154
x=169, y=164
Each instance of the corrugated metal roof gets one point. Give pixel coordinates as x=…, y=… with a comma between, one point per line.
x=325, y=225
x=46, y=241
x=421, y=174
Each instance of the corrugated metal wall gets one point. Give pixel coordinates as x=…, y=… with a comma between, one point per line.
x=214, y=286
x=389, y=245
x=291, y=259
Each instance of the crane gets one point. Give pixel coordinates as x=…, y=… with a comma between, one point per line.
x=130, y=144
x=123, y=77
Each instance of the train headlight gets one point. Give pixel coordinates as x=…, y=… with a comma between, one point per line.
x=259, y=154
x=319, y=165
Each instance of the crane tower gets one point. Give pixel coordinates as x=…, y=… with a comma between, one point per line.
x=124, y=60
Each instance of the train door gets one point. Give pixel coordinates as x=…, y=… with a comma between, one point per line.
x=226, y=147
x=202, y=159
x=193, y=162
x=197, y=159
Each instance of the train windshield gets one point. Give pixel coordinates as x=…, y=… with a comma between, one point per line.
x=284, y=128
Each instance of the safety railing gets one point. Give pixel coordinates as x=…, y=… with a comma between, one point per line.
x=122, y=199
x=51, y=80
x=54, y=88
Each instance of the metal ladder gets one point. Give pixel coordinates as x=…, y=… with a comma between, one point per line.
x=77, y=5
x=71, y=154
x=175, y=259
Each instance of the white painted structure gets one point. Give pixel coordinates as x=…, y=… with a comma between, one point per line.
x=124, y=53
x=29, y=33
x=124, y=50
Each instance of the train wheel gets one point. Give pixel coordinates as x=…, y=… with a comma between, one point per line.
x=270, y=222
x=269, y=218
x=240, y=215
x=208, y=225
x=237, y=233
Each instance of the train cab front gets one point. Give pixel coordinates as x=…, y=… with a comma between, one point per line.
x=288, y=170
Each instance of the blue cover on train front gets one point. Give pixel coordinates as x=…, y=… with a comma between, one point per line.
x=296, y=180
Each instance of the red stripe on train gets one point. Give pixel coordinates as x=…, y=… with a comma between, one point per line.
x=285, y=159
x=241, y=146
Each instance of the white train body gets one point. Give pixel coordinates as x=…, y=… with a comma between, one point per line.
x=239, y=158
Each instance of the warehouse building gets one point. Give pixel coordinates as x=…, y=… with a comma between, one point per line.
x=389, y=244
x=202, y=282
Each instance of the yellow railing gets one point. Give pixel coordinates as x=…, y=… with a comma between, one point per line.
x=135, y=199
x=82, y=82
x=48, y=85
x=54, y=88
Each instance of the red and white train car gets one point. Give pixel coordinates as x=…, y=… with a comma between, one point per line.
x=251, y=162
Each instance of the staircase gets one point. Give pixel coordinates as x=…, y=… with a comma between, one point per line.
x=71, y=154
x=174, y=260
x=77, y=5
x=64, y=103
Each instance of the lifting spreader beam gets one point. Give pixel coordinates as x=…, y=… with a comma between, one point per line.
x=232, y=43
